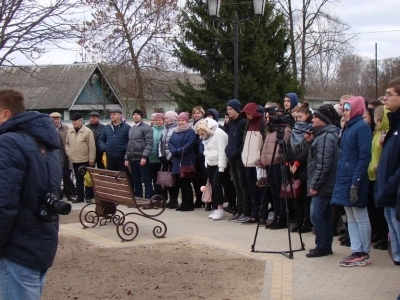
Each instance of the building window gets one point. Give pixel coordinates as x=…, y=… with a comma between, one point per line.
x=159, y=110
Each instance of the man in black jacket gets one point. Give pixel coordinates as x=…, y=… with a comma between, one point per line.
x=28, y=244
x=388, y=172
x=233, y=151
x=97, y=128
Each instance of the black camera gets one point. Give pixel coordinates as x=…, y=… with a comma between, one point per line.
x=276, y=116
x=270, y=110
x=52, y=207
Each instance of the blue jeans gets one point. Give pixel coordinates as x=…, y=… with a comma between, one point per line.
x=394, y=231
x=141, y=174
x=19, y=282
x=321, y=218
x=359, y=229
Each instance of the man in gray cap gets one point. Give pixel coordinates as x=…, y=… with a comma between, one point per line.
x=97, y=128
x=68, y=185
x=113, y=141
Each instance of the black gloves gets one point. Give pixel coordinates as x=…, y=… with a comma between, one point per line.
x=353, y=194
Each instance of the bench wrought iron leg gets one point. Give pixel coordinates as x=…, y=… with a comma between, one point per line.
x=130, y=230
x=89, y=218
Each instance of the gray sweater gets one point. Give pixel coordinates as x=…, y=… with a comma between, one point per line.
x=140, y=142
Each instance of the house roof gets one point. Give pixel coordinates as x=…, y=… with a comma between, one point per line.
x=49, y=87
x=157, y=83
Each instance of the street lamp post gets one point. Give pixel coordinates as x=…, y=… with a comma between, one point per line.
x=213, y=9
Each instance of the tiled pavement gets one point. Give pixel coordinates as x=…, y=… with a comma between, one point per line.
x=300, y=278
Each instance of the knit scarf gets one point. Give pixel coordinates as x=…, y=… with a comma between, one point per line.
x=297, y=136
x=183, y=128
x=170, y=125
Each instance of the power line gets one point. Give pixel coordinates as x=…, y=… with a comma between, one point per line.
x=370, y=32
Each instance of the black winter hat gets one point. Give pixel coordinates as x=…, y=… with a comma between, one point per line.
x=235, y=104
x=324, y=114
x=76, y=116
x=138, y=111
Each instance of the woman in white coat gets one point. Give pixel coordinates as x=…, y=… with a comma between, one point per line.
x=215, y=141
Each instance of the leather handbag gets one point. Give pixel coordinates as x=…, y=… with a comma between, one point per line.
x=207, y=193
x=296, y=186
x=165, y=179
x=186, y=171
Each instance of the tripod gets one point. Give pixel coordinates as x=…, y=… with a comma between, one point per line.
x=280, y=143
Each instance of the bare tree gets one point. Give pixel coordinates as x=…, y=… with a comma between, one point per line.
x=315, y=35
x=133, y=33
x=29, y=27
x=329, y=47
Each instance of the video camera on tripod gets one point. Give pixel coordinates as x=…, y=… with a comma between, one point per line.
x=278, y=119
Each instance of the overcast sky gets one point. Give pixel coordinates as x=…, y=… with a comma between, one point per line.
x=370, y=16
x=362, y=15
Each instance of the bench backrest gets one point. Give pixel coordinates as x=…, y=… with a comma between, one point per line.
x=112, y=186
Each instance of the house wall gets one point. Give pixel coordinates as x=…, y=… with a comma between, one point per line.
x=92, y=93
x=152, y=106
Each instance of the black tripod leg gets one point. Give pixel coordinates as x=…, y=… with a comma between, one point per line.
x=287, y=212
x=264, y=202
x=288, y=254
x=285, y=183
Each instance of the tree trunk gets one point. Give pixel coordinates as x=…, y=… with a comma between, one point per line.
x=139, y=87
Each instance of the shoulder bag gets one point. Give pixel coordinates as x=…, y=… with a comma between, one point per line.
x=296, y=185
x=186, y=171
x=165, y=179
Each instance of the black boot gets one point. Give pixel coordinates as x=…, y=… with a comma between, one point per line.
x=173, y=204
x=78, y=200
x=306, y=227
x=384, y=245
x=281, y=224
x=70, y=198
x=296, y=226
x=198, y=204
x=268, y=225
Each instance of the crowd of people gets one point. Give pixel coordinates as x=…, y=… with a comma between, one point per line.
x=340, y=160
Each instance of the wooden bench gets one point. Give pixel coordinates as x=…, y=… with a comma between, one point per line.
x=112, y=188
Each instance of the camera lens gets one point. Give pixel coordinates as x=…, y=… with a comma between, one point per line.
x=62, y=207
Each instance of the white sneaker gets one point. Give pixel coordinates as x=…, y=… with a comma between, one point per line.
x=210, y=216
x=218, y=215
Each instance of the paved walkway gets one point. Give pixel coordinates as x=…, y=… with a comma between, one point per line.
x=300, y=278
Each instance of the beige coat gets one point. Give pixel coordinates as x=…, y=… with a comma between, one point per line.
x=80, y=147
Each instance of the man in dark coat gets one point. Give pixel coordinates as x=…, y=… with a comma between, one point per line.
x=137, y=155
x=321, y=173
x=388, y=172
x=97, y=128
x=233, y=151
x=27, y=243
x=113, y=141
x=68, y=185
